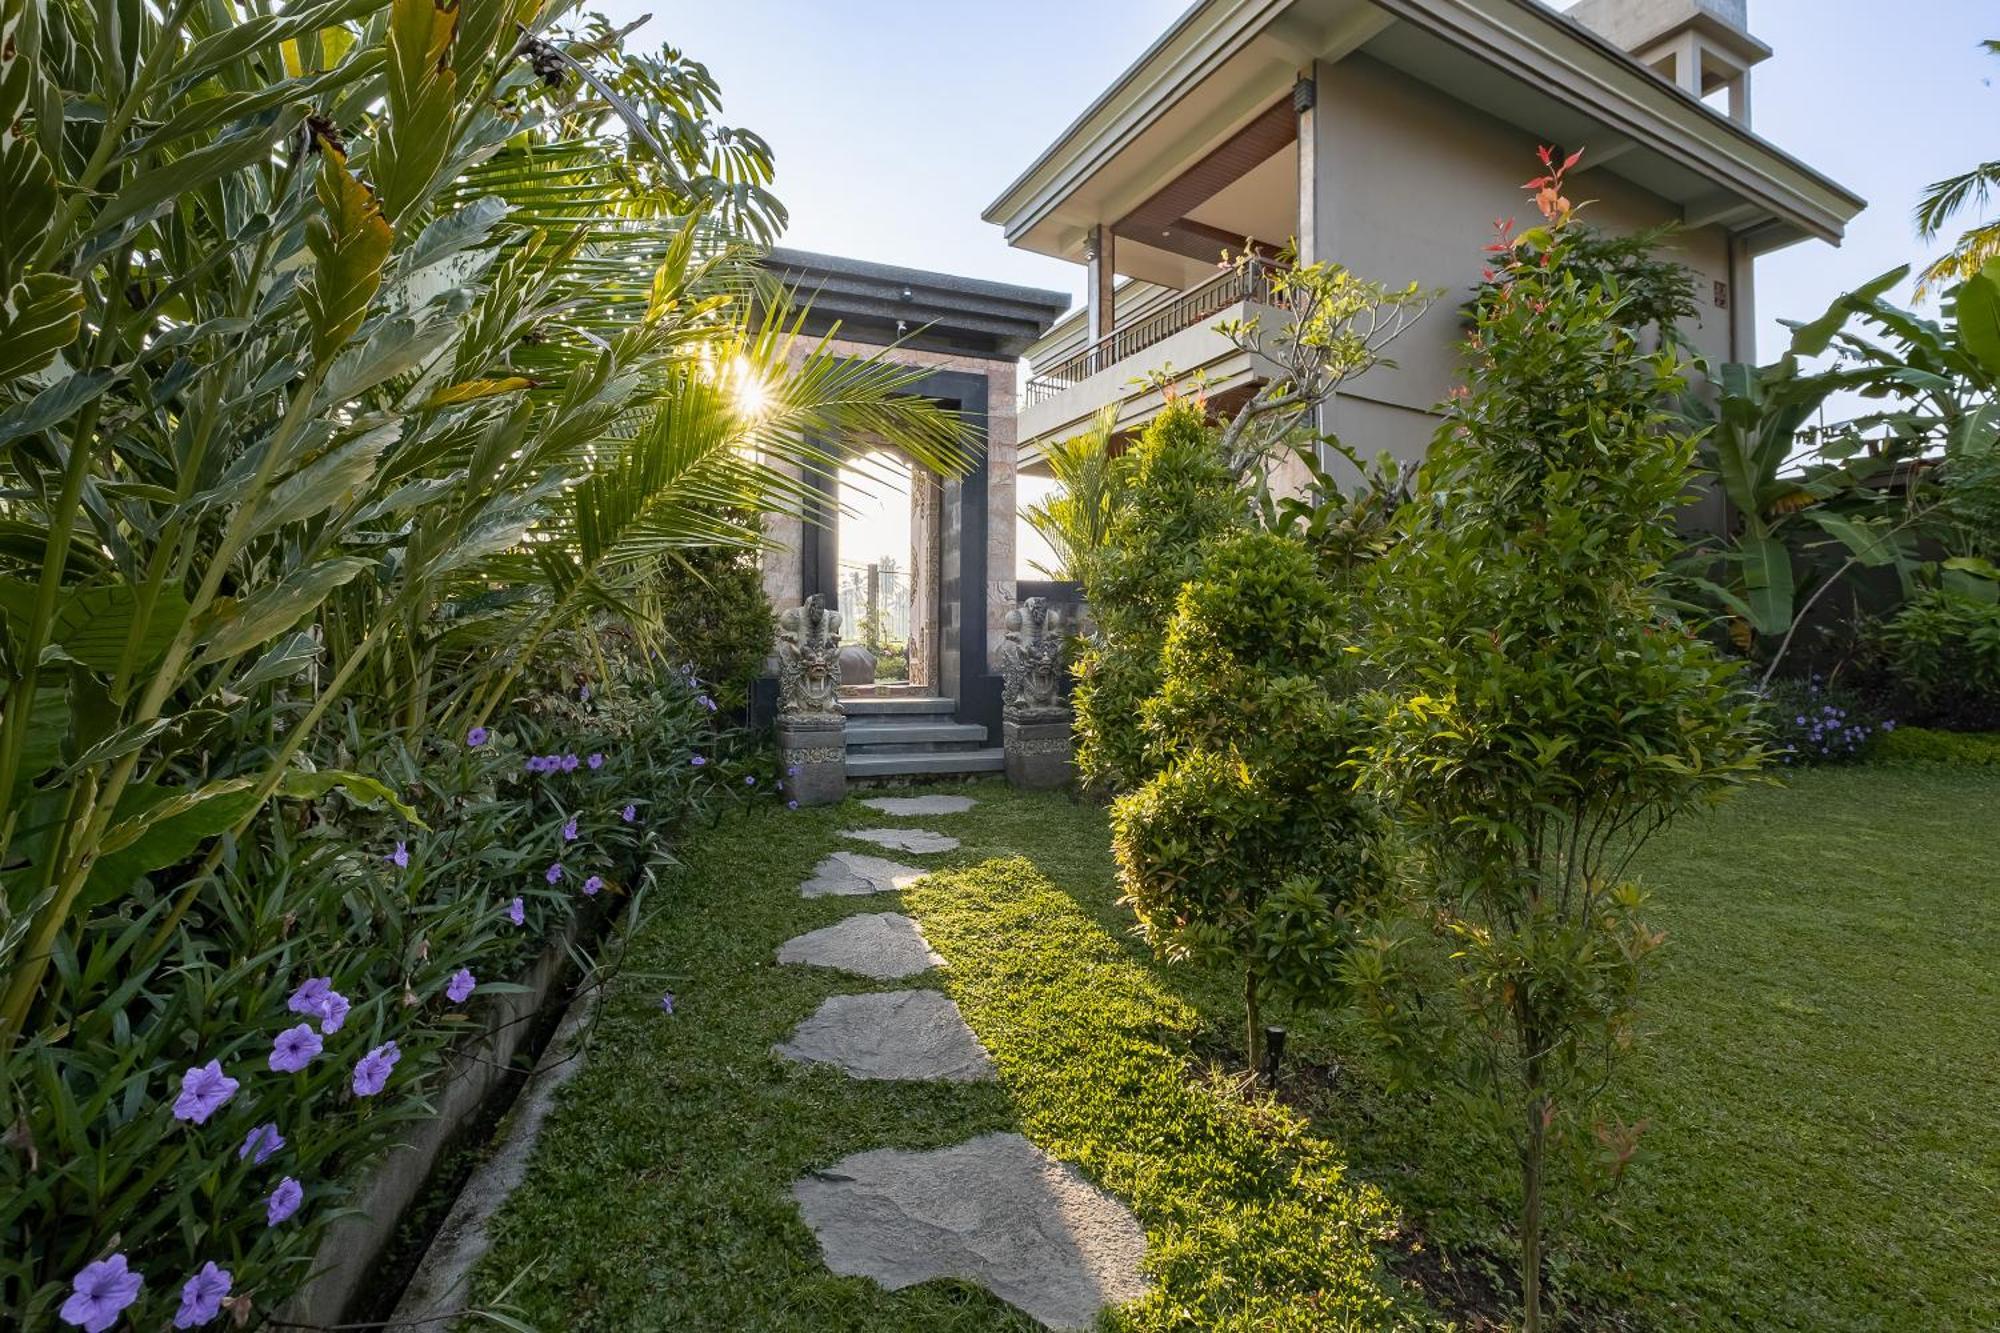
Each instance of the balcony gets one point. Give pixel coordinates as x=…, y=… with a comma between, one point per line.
x=1178, y=334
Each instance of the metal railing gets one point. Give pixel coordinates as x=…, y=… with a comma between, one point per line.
x=1233, y=286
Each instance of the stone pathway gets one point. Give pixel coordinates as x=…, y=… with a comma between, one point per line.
x=898, y=1034
x=904, y=839
x=920, y=805
x=856, y=874
x=995, y=1210
x=884, y=945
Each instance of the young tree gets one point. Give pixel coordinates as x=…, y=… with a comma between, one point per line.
x=1548, y=711
x=1247, y=844
x=1177, y=493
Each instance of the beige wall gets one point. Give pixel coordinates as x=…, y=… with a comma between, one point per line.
x=1409, y=184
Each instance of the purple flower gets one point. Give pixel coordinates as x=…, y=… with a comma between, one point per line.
x=629, y=813
x=584, y=694
x=537, y=764
x=371, y=1071
x=203, y=1091
x=400, y=858
x=705, y=702
x=667, y=1004
x=332, y=1012
x=476, y=737
x=554, y=873
x=569, y=829
x=596, y=761
x=284, y=1201
x=260, y=1143
x=517, y=912
x=791, y=805
x=201, y=1296
x=697, y=760
x=750, y=779
x=295, y=1048
x=460, y=985
x=102, y=1288
x=591, y=886
x=568, y=763
x=792, y=772
x=310, y=995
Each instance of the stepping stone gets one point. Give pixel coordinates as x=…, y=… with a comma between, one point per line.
x=852, y=874
x=904, y=839
x=883, y=945
x=901, y=1034
x=920, y=805
x=995, y=1210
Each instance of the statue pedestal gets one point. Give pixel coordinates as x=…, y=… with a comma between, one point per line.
x=1041, y=754
x=812, y=752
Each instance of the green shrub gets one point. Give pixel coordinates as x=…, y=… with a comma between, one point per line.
x=1547, y=711
x=1942, y=650
x=1249, y=842
x=1178, y=494
x=716, y=619
x=1922, y=745
x=1814, y=721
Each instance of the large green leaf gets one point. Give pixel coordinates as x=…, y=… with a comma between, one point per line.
x=1979, y=317
x=248, y=146
x=39, y=316
x=359, y=788
x=1864, y=541
x=412, y=140
x=1767, y=584
x=330, y=479
x=93, y=624
x=1812, y=338
x=158, y=826
x=273, y=609
x=350, y=242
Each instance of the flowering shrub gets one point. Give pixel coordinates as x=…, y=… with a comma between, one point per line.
x=212, y=1109
x=1815, y=722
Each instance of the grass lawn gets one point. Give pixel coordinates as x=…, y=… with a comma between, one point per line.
x=1818, y=1081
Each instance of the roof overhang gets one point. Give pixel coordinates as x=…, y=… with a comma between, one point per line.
x=881, y=303
x=1224, y=62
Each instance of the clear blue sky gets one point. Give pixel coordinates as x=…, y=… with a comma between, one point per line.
x=896, y=121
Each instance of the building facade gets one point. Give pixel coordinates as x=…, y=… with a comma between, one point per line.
x=1388, y=136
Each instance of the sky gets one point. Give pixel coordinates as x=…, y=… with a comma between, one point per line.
x=895, y=122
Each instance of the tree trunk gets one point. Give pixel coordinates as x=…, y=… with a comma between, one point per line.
x=1532, y=1152
x=1253, y=1034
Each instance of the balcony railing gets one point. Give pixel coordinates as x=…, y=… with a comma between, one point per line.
x=1193, y=307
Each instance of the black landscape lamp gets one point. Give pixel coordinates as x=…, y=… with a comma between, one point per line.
x=1274, y=1051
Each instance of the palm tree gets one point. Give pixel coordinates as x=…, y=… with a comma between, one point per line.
x=1946, y=199
x=1075, y=520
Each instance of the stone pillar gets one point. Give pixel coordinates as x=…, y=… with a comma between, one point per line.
x=812, y=727
x=813, y=754
x=1036, y=726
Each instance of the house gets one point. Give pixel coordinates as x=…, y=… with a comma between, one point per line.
x=1387, y=136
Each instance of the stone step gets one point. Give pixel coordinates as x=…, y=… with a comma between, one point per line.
x=898, y=707
x=900, y=735
x=990, y=760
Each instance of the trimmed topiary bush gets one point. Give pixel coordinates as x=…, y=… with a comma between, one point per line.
x=1180, y=494
x=1245, y=847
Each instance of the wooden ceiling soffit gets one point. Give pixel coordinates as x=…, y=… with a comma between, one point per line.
x=1162, y=220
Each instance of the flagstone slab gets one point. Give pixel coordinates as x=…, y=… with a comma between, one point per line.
x=904, y=839
x=853, y=874
x=920, y=805
x=995, y=1210
x=883, y=945
x=903, y=1034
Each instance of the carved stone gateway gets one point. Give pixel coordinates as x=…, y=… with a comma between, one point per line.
x=812, y=728
x=1035, y=720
